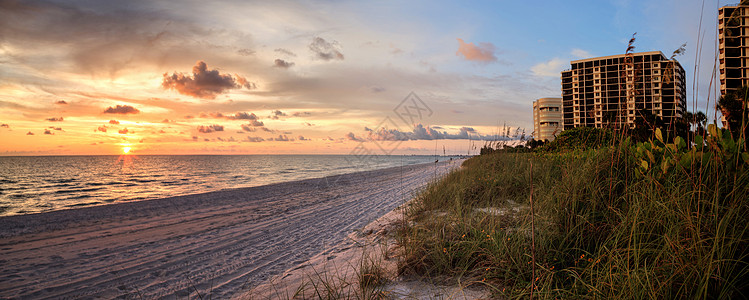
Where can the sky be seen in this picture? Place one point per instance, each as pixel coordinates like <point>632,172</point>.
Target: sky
<point>312,77</point>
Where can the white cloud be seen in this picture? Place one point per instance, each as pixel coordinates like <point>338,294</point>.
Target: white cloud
<point>549,68</point>
<point>580,53</point>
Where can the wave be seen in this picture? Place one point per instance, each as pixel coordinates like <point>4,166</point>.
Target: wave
<point>28,186</point>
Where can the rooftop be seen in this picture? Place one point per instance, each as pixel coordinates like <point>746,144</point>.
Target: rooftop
<point>617,56</point>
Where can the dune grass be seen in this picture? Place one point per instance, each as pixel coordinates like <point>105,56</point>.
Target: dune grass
<point>649,220</point>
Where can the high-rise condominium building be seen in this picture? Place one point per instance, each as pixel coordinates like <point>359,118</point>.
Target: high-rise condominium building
<point>547,118</point>
<point>619,90</point>
<point>733,40</point>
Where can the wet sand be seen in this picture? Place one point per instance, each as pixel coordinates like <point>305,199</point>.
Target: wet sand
<point>218,244</point>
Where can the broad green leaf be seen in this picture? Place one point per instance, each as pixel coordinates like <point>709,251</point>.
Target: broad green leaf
<point>659,135</point>
<point>680,143</point>
<point>686,160</point>
<point>699,142</point>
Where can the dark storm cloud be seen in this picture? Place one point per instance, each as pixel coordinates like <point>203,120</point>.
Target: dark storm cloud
<point>121,109</point>
<point>29,133</point>
<point>4,126</point>
<point>98,36</point>
<point>46,131</point>
<point>204,83</point>
<point>61,102</point>
<point>210,128</point>
<point>325,50</point>
<point>280,63</point>
<point>54,119</point>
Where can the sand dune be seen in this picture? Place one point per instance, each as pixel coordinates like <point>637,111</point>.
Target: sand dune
<point>219,243</point>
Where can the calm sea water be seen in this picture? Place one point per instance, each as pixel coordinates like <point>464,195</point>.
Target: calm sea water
<point>47,183</point>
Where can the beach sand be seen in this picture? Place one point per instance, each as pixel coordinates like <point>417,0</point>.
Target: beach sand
<point>339,270</point>
<point>217,245</point>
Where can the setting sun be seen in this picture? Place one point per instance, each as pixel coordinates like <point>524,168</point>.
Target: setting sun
<point>125,150</point>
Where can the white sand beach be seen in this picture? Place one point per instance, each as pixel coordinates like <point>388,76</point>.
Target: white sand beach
<point>218,244</point>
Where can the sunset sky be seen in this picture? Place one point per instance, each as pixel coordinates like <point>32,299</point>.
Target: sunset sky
<point>280,77</point>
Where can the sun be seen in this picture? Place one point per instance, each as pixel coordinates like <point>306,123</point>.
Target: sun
<point>125,150</point>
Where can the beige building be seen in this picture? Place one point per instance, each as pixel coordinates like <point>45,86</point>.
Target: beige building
<point>547,118</point>
<point>618,90</point>
<point>733,40</point>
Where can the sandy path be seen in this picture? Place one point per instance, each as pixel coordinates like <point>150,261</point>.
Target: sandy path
<point>222,243</point>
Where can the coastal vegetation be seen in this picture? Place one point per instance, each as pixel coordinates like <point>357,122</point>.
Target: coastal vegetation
<point>592,214</point>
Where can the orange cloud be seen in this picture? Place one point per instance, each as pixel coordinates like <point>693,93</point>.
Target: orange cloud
<point>483,53</point>
<point>204,83</point>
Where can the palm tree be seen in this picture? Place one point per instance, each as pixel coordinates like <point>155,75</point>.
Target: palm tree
<point>700,119</point>
<point>734,109</point>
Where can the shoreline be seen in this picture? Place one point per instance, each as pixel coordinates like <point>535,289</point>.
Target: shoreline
<point>219,243</point>
<point>26,222</point>
<point>27,189</point>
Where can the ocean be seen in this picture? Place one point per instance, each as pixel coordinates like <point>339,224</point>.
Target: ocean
<point>33,184</point>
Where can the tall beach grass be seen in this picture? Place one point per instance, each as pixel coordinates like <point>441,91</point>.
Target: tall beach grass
<point>648,220</point>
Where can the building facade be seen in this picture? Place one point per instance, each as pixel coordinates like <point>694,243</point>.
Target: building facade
<point>618,90</point>
<point>733,39</point>
<point>547,118</point>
